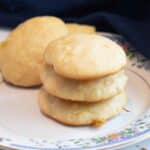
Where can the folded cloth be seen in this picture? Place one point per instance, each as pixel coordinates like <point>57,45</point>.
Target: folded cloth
<point>129,18</point>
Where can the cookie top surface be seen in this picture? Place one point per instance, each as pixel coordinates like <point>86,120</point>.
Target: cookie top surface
<point>22,52</point>
<point>85,56</point>
<point>82,90</point>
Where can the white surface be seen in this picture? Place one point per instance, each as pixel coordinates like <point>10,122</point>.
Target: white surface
<point>3,34</point>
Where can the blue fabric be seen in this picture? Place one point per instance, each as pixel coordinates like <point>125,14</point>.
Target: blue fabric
<point>130,18</point>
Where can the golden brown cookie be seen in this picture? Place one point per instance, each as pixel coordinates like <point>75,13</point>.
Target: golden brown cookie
<point>89,90</point>
<point>85,56</point>
<point>80,28</point>
<point>77,113</point>
<point>22,52</point>
<point>0,53</point>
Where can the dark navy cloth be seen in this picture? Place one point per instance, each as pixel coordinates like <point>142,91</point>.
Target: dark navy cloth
<point>130,18</point>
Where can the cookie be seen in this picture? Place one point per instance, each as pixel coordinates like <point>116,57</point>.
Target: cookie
<point>85,56</point>
<point>22,52</point>
<point>77,90</point>
<point>0,53</point>
<point>80,28</point>
<point>78,113</point>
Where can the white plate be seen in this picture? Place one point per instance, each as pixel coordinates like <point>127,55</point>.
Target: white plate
<point>22,126</point>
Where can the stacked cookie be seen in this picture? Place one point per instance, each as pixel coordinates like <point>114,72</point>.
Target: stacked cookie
<point>84,80</point>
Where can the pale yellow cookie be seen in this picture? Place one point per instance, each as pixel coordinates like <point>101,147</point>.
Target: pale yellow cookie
<point>85,56</point>
<point>80,28</point>
<point>22,52</point>
<point>78,113</point>
<point>0,53</point>
<point>89,90</point>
